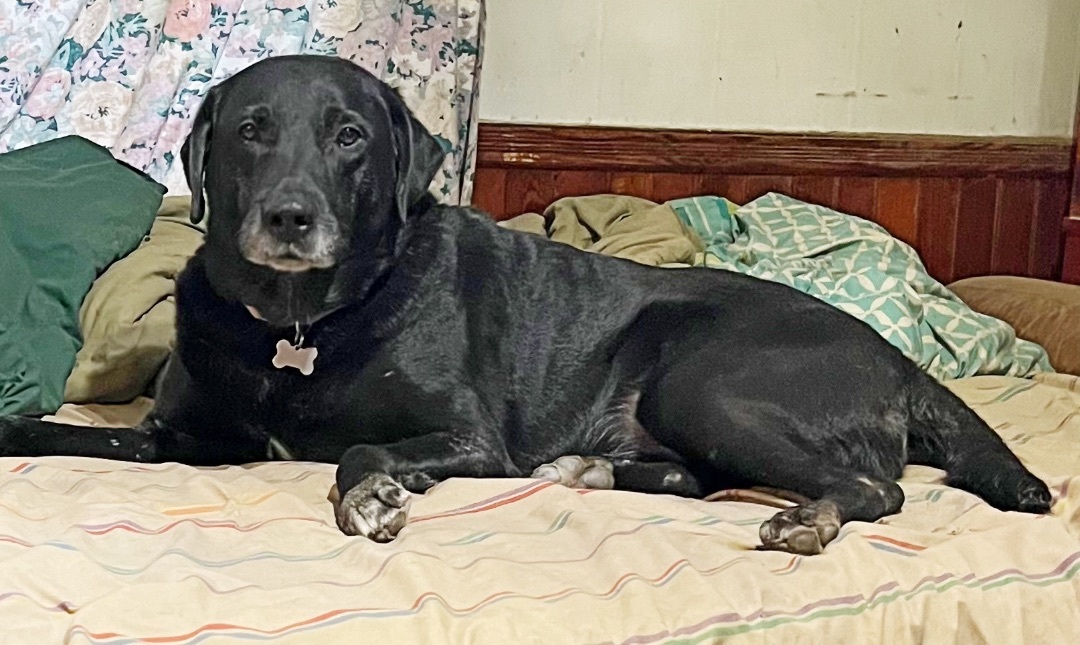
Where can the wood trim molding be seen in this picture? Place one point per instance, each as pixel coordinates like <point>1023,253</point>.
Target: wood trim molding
<point>519,146</point>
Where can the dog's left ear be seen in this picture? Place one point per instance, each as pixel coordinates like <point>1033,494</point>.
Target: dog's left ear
<point>194,152</point>
<point>419,155</point>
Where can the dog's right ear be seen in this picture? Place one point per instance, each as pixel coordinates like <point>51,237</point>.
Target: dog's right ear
<point>194,153</point>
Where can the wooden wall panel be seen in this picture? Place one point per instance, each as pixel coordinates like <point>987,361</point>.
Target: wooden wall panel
<point>935,224</point>
<point>1045,255</point>
<point>970,206</point>
<point>672,185</point>
<point>858,196</point>
<point>528,192</point>
<point>489,190</point>
<point>974,247</point>
<point>758,185</point>
<point>732,187</point>
<point>637,184</point>
<point>1012,226</point>
<point>574,183</point>
<point>816,190</point>
<point>1071,268</point>
<point>896,207</point>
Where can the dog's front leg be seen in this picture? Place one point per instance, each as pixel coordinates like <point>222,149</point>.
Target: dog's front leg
<point>25,437</point>
<point>374,482</point>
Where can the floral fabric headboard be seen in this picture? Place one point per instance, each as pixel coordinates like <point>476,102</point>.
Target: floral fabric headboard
<point>130,74</point>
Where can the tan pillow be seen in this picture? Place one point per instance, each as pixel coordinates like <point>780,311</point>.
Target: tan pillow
<point>128,318</point>
<point>1047,313</point>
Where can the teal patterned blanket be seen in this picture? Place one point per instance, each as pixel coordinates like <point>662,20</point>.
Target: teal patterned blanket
<point>858,267</point>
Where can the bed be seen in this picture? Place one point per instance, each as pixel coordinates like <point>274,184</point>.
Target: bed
<point>95,551</point>
<point>105,552</point>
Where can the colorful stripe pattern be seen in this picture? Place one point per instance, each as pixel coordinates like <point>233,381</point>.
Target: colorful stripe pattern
<point>101,552</point>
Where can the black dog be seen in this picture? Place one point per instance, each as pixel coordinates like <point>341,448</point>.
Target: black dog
<point>449,347</point>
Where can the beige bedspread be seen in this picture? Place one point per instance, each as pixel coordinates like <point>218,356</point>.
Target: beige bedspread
<point>103,552</point>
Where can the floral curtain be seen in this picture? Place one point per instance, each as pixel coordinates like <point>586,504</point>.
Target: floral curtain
<point>130,74</point>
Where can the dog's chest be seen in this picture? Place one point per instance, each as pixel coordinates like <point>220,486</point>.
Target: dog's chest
<point>320,415</point>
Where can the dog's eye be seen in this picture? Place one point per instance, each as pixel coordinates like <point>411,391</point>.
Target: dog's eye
<point>348,136</point>
<point>248,131</point>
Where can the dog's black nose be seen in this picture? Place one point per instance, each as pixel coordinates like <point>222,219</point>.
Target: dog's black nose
<point>288,222</point>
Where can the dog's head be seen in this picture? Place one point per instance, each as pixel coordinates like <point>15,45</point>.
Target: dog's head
<point>309,166</point>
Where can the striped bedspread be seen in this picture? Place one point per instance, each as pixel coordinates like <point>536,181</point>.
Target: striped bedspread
<point>105,552</point>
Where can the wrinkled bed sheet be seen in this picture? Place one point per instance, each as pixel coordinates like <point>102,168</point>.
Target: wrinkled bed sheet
<point>104,552</point>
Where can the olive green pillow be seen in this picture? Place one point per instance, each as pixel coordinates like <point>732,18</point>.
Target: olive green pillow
<point>128,318</point>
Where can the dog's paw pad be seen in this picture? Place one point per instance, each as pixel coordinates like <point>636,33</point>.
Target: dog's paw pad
<point>376,508</point>
<point>803,530</point>
<point>573,471</point>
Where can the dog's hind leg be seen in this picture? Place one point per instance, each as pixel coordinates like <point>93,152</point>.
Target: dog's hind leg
<point>656,477</point>
<point>838,495</point>
<point>947,434</point>
<point>597,473</point>
<point>748,444</point>
<point>574,471</point>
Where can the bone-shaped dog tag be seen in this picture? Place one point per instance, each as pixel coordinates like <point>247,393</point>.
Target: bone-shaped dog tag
<point>300,358</point>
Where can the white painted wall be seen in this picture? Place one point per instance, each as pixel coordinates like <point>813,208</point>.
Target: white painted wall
<point>980,67</point>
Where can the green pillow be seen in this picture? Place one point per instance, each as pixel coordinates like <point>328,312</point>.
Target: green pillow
<point>67,211</point>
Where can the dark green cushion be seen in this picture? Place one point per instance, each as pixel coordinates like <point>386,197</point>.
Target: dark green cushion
<point>67,210</point>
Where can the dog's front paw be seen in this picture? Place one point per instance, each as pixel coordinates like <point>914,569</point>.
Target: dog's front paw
<point>375,508</point>
<point>803,530</point>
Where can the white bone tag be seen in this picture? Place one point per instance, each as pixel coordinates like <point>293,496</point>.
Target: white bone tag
<point>300,358</point>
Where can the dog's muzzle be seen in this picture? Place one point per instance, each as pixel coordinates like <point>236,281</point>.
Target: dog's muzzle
<point>290,233</point>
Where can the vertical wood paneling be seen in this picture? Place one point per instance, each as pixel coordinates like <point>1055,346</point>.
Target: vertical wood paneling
<point>489,190</point>
<point>758,185</point>
<point>858,196</point>
<point>939,203</point>
<point>816,190</point>
<point>1070,268</point>
<point>1044,255</point>
<point>895,208</point>
<point>671,185</point>
<point>960,227</point>
<point>732,187</point>
<point>1004,220</point>
<point>1070,271</point>
<point>974,245</point>
<point>577,183</point>
<point>1012,226</point>
<point>638,184</point>
<point>528,191</point>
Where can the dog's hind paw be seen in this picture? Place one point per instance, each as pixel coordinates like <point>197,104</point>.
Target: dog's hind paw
<point>803,530</point>
<point>573,471</point>
<point>1034,497</point>
<point>376,508</point>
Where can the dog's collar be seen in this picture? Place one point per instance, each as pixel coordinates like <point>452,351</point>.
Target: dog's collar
<point>258,316</point>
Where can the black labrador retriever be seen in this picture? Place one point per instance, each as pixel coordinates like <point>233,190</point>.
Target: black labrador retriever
<point>336,313</point>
